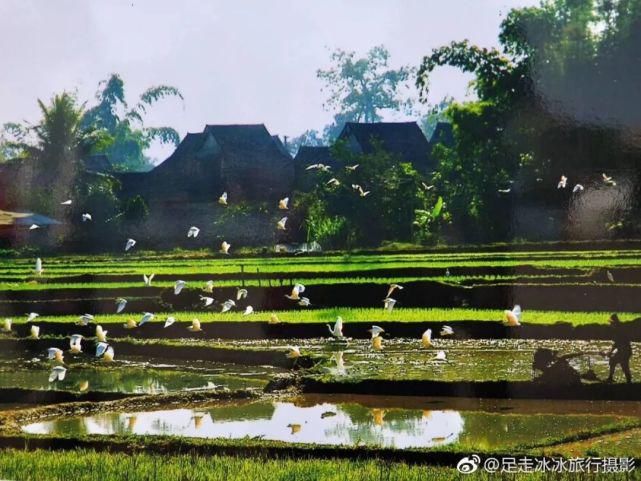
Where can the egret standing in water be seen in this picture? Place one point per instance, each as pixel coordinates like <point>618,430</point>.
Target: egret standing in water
<point>34,332</point>
<point>388,304</point>
<point>31,316</point>
<point>248,311</point>
<point>101,335</point>
<point>75,346</point>
<point>426,338</point>
<point>377,343</point>
<point>58,373</point>
<point>178,287</point>
<point>337,330</point>
<point>224,247</point>
<point>193,231</point>
<point>296,291</point>
<point>120,305</point>
<point>39,270</point>
<point>209,287</point>
<point>241,293</point>
<point>513,317</point>
<point>195,326</point>
<point>129,244</point>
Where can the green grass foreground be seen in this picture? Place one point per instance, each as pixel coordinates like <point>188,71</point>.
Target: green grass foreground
<point>93,466</point>
<point>360,315</point>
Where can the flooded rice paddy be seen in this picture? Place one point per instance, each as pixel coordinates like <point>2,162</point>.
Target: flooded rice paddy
<point>366,420</point>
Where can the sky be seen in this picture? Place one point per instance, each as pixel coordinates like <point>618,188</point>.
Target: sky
<point>235,61</point>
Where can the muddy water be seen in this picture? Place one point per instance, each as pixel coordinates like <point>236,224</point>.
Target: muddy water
<point>374,422</point>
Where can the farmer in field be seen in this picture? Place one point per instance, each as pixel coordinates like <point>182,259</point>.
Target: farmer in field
<point>621,350</point>
<point>555,370</point>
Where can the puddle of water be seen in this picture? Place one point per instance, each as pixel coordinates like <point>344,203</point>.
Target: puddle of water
<point>330,423</point>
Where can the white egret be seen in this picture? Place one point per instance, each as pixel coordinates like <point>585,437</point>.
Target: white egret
<point>101,335</point>
<point>120,305</point>
<point>426,338</point>
<point>130,243</point>
<point>608,180</point>
<point>222,200</point>
<point>280,225</point>
<point>446,331</point>
<point>58,373</point>
<point>39,270</point>
<point>66,202</point>
<point>209,287</point>
<point>513,317</point>
<point>377,343</point>
<point>178,287</point>
<point>389,303</point>
<point>352,168</point>
<point>195,326</point>
<point>296,291</point>
<point>427,187</point>
<point>193,231</point>
<point>53,353</point>
<point>376,331</point>
<point>283,204</point>
<point>207,301</point>
<point>392,288</point>
<point>75,345</point>
<point>108,356</point>
<point>169,321</point>
<point>130,324</point>
<point>85,319</point>
<point>86,217</point>
<point>248,311</point>
<point>505,191</point>
<point>610,276</point>
<point>83,386</point>
<point>577,188</point>
<point>304,302</point>
<point>224,247</point>
<point>147,279</point>
<point>363,193</point>
<point>34,332</point>
<point>34,227</point>
<point>562,183</point>
<point>31,316</point>
<point>227,305</point>
<point>319,167</point>
<point>146,317</point>
<point>337,330</point>
<point>241,293</point>
<point>334,182</point>
<point>293,352</point>
<point>6,326</point>
<point>440,356</point>
<point>101,348</point>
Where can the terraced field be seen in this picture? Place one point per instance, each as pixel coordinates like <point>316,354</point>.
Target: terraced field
<point>229,387</point>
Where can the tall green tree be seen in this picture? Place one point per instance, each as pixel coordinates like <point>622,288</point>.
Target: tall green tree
<point>125,123</point>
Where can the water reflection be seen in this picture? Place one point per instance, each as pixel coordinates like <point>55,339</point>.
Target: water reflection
<point>347,423</point>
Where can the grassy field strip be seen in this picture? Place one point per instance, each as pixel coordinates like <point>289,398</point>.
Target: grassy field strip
<point>364,315</point>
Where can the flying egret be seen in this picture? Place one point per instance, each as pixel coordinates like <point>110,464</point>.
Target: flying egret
<point>248,311</point>
<point>6,326</point>
<point>224,247</point>
<point>334,182</point>
<point>147,279</point>
<point>337,330</point>
<point>222,200</point>
<point>58,373</point>
<point>34,227</point>
<point>505,191</point>
<point>610,276</point>
<point>377,343</point>
<point>283,204</point>
<point>75,345</point>
<point>376,331</point>
<point>440,356</point>
<point>363,193</point>
<point>86,217</point>
<point>130,324</point>
<point>446,331</point>
<point>209,287</point>
<point>31,316</point>
<point>39,270</point>
<point>227,305</point>
<point>169,321</point>
<point>513,317</point>
<point>352,168</point>
<point>562,183</point>
<point>304,302</point>
<point>389,303</point>
<point>108,356</point>
<point>280,225</point>
<point>608,180</point>
<point>296,291</point>
<point>392,288</point>
<point>146,317</point>
<point>195,326</point>
<point>101,348</point>
<point>319,167</point>
<point>293,352</point>
<point>577,188</point>
<point>120,305</point>
<point>53,353</point>
<point>273,319</point>
<point>130,243</point>
<point>427,187</point>
<point>101,335</point>
<point>85,319</point>
<point>66,202</point>
<point>207,301</point>
<point>193,231</point>
<point>178,287</point>
<point>241,293</point>
<point>34,332</point>
<point>426,338</point>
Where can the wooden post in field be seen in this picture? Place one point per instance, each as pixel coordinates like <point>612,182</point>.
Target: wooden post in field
<point>242,275</point>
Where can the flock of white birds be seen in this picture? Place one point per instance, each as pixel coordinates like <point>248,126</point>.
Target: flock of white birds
<point>563,183</point>
<point>106,352</point>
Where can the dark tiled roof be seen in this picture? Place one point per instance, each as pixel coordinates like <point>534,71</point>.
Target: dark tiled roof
<point>404,139</point>
<point>98,163</point>
<point>281,146</point>
<point>443,134</point>
<point>314,155</point>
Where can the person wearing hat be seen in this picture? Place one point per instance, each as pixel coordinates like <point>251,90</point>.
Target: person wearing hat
<point>621,350</point>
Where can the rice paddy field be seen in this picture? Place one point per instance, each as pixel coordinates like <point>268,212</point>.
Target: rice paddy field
<point>264,390</point>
